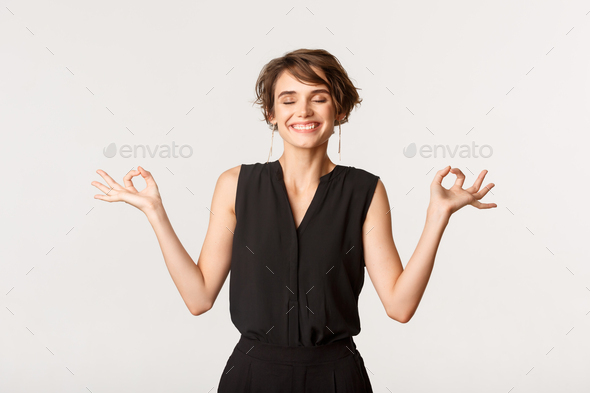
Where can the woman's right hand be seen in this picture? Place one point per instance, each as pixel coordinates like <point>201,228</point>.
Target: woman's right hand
<point>145,200</point>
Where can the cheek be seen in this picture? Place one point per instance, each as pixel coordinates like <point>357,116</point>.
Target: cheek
<point>282,110</point>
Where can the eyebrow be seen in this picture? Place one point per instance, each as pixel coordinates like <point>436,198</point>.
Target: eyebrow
<point>293,92</point>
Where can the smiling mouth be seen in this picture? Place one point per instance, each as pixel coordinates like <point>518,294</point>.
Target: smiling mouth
<point>309,127</point>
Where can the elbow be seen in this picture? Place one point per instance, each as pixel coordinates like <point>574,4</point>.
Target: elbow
<point>401,318</point>
<point>200,310</point>
<point>404,320</point>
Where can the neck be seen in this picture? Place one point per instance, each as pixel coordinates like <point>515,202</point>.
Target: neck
<point>303,170</point>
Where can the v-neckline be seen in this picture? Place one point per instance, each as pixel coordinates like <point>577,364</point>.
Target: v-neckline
<point>279,175</point>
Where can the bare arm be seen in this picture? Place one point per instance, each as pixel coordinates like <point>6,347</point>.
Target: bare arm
<point>400,290</point>
<point>200,283</point>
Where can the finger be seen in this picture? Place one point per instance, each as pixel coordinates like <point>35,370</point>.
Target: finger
<point>460,177</point>
<point>106,198</point>
<point>477,184</point>
<point>438,178</point>
<point>107,178</point>
<point>483,191</point>
<point>147,176</point>
<point>480,205</point>
<point>101,187</point>
<point>127,179</point>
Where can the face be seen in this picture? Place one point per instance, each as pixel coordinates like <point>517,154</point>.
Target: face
<point>299,104</point>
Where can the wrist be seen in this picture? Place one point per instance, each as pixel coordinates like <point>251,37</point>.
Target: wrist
<point>437,214</point>
<point>155,211</point>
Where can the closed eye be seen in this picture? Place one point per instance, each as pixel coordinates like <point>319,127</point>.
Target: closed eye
<point>287,103</point>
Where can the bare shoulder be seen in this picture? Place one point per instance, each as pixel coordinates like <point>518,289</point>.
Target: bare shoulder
<point>226,187</point>
<point>231,175</point>
<point>379,208</point>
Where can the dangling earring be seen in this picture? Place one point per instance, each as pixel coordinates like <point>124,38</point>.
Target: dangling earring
<point>339,132</point>
<point>275,126</point>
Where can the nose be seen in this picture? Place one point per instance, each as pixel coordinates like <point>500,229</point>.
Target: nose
<point>304,108</point>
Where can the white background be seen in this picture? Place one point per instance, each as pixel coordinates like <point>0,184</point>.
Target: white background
<point>87,303</point>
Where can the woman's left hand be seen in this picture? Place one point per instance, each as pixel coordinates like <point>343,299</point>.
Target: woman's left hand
<point>453,199</point>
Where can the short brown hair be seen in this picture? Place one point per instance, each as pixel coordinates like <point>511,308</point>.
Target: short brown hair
<point>298,62</point>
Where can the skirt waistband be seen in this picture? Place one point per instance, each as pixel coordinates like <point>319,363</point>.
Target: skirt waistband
<point>283,354</point>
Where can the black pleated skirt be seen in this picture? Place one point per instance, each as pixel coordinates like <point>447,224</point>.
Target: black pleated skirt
<point>258,367</point>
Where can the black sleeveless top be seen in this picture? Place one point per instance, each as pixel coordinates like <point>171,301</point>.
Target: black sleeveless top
<point>298,286</point>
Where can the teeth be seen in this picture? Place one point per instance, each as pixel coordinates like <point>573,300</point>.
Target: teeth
<point>306,128</point>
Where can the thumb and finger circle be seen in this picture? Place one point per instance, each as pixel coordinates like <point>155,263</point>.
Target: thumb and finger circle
<point>438,178</point>
<point>116,186</point>
<point>147,176</point>
<point>460,177</point>
<point>127,179</point>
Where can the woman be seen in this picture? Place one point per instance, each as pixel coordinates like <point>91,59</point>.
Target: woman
<point>298,234</point>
